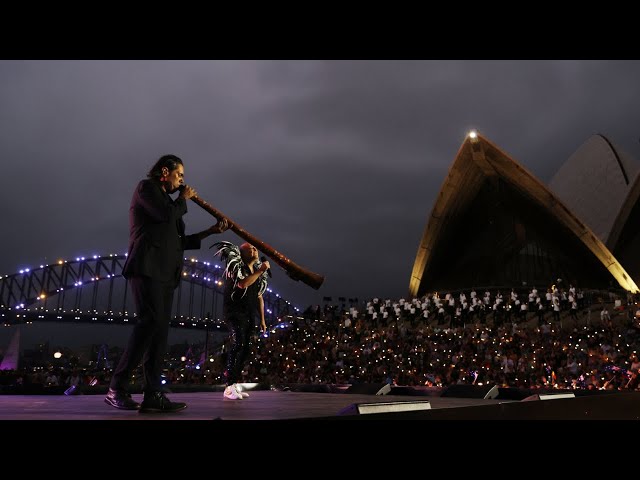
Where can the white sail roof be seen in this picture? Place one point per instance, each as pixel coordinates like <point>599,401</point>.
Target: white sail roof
<point>594,183</point>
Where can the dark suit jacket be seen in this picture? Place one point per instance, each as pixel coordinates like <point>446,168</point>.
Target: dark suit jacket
<point>156,239</point>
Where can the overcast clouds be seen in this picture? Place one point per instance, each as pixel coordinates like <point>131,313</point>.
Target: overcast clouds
<point>336,164</point>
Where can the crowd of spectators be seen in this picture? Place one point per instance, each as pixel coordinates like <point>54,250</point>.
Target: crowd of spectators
<point>573,343</point>
<point>559,338</point>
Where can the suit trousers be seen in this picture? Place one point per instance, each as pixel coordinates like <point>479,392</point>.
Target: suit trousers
<point>148,341</point>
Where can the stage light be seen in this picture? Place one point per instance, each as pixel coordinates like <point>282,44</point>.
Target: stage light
<point>387,407</point>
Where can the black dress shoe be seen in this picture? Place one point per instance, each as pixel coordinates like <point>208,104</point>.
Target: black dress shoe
<point>121,400</point>
<point>157,402</point>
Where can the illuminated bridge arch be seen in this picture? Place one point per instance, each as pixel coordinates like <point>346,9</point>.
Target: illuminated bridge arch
<point>92,289</point>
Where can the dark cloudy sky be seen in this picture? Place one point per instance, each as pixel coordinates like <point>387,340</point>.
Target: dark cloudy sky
<point>334,163</point>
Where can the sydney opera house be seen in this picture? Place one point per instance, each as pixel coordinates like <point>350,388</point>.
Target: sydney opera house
<point>495,224</point>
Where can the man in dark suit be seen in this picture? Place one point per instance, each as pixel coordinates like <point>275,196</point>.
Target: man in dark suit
<point>154,263</point>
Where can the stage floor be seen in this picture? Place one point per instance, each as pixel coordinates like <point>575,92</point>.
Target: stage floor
<point>292,406</point>
<point>261,405</point>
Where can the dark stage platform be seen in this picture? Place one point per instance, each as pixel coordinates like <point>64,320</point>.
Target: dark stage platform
<point>296,405</point>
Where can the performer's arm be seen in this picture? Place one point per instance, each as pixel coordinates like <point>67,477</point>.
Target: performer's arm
<point>219,227</point>
<point>250,279</point>
<point>194,241</point>
<point>263,325</point>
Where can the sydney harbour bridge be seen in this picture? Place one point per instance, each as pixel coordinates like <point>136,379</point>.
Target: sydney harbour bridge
<point>92,289</point>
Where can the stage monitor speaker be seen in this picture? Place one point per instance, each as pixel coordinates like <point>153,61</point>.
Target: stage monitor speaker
<point>512,393</point>
<point>471,391</point>
<point>385,407</point>
<point>369,388</point>
<point>552,396</point>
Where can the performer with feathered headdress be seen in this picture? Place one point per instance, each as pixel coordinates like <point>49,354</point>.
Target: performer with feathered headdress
<point>245,282</point>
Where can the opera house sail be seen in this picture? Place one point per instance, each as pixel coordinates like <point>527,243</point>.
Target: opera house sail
<point>494,224</point>
<point>601,183</point>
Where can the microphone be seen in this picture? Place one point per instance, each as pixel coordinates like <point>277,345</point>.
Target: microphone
<point>264,259</point>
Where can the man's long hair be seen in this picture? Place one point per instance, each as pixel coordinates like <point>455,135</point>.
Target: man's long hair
<point>169,161</point>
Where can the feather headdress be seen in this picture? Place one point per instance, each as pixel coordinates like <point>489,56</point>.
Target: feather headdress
<point>230,254</point>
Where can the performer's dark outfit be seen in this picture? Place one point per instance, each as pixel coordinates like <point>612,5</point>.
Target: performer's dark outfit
<point>240,307</point>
